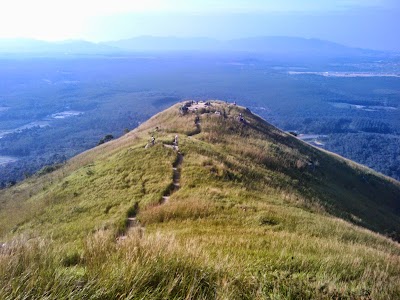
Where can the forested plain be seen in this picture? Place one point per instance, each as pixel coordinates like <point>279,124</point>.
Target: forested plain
<point>54,108</point>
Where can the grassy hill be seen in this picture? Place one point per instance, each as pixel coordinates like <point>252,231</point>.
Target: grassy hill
<point>241,210</point>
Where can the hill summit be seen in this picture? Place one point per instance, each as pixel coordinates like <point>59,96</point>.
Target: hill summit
<point>203,201</point>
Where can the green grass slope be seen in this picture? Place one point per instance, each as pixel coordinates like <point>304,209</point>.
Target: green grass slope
<point>258,214</point>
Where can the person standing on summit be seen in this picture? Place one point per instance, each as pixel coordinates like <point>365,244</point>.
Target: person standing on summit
<point>175,142</point>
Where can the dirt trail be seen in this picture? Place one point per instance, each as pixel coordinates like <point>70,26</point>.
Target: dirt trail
<point>176,169</point>
<point>198,127</point>
<point>131,221</point>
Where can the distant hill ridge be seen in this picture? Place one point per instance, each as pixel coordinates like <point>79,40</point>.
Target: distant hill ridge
<point>202,201</point>
<point>277,45</point>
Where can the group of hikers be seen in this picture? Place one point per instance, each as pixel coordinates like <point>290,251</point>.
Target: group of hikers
<point>183,109</point>
<point>153,142</point>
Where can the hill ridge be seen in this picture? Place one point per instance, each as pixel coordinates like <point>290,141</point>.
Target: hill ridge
<point>258,214</point>
<point>194,107</point>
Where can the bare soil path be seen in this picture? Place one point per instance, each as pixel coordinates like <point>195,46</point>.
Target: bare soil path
<point>132,221</point>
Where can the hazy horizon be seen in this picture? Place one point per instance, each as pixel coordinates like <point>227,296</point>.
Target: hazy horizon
<point>356,23</point>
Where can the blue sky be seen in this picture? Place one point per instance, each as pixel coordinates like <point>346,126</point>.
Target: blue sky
<point>360,23</point>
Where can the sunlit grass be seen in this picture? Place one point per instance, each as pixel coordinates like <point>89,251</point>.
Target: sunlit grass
<point>251,220</point>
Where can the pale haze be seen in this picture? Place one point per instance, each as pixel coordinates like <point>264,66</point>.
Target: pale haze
<point>359,23</point>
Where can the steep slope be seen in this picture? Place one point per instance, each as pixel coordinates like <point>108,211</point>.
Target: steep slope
<point>239,210</point>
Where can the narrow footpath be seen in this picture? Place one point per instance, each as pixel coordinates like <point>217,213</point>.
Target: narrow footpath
<point>132,221</point>
<point>176,169</point>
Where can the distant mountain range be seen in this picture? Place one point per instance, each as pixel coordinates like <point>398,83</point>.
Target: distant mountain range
<point>273,45</point>
<point>27,46</point>
<point>255,44</point>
